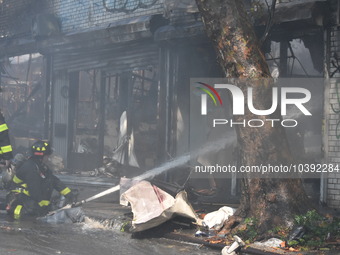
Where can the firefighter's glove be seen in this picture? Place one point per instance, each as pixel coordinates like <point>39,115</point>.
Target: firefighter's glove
<point>71,197</point>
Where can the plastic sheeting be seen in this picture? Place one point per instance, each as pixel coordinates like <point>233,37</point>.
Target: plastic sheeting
<point>151,206</point>
<point>123,141</point>
<point>125,184</point>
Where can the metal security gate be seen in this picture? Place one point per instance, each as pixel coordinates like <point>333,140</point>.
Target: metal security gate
<point>113,58</point>
<point>109,69</point>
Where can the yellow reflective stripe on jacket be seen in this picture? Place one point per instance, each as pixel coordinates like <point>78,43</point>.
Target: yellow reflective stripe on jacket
<point>44,203</point>
<point>20,190</point>
<point>65,191</point>
<point>26,192</point>
<point>17,180</point>
<point>3,127</point>
<point>6,149</point>
<point>17,211</point>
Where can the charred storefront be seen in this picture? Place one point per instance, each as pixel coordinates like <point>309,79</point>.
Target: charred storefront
<point>100,86</point>
<point>106,100</point>
<point>111,79</point>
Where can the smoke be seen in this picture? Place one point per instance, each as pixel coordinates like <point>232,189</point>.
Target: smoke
<point>182,160</point>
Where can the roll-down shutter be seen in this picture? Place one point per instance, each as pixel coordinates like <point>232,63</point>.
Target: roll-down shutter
<point>114,58</point>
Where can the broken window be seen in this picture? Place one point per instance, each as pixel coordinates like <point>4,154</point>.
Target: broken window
<point>301,57</point>
<point>87,112</point>
<point>145,114</point>
<point>132,117</point>
<point>116,115</point>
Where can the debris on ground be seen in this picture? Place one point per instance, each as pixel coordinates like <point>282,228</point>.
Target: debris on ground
<point>234,247</point>
<point>272,242</point>
<point>151,206</point>
<point>297,233</point>
<point>109,169</point>
<point>225,251</point>
<point>201,233</point>
<point>238,243</point>
<point>215,220</point>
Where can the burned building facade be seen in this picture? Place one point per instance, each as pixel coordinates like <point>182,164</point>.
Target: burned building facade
<point>115,76</point>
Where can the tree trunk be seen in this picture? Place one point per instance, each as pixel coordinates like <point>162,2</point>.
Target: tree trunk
<point>272,202</point>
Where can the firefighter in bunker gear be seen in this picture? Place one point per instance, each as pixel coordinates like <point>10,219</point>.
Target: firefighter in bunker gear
<point>5,146</point>
<point>33,184</point>
<point>5,151</point>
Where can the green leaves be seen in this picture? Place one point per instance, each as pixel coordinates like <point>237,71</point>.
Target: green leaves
<point>249,232</point>
<point>319,229</point>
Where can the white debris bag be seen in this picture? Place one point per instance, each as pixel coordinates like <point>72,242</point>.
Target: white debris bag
<point>217,218</point>
<point>152,206</point>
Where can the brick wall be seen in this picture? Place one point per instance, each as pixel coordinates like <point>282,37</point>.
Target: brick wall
<point>76,15</point>
<point>333,150</point>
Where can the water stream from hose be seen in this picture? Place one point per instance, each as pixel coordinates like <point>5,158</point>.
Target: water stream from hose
<point>170,165</point>
<point>182,160</point>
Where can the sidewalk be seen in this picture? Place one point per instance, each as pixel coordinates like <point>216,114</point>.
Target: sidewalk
<point>180,230</point>
<point>107,209</point>
<point>176,230</point>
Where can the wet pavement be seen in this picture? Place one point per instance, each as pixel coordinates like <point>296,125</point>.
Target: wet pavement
<point>27,237</point>
<point>99,234</point>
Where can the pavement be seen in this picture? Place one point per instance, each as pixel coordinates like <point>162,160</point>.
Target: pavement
<point>119,216</point>
<point>108,211</point>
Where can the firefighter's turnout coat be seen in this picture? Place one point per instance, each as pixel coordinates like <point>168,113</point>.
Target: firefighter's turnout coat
<point>5,146</point>
<point>31,189</point>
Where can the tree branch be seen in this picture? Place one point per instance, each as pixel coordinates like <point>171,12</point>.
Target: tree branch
<point>270,21</point>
